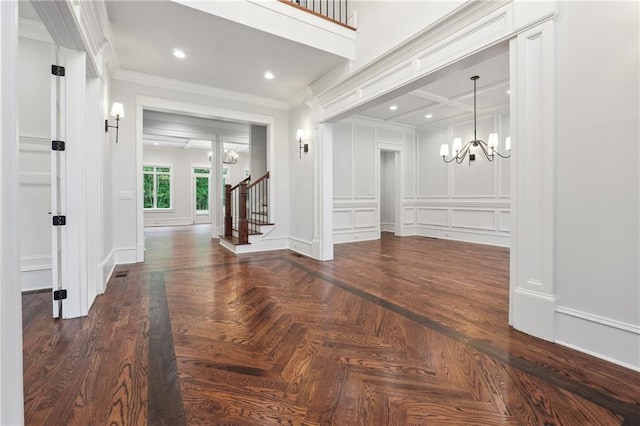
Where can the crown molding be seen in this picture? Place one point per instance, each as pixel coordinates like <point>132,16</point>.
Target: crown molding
<point>198,89</point>
<point>461,17</point>
<point>33,30</point>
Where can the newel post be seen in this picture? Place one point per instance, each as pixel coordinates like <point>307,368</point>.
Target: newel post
<point>227,210</point>
<point>243,224</point>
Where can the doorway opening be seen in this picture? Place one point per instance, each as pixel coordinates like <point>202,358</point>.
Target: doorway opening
<point>389,192</point>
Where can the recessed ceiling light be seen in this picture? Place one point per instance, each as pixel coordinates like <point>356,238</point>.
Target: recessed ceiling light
<point>428,116</point>
<point>156,143</point>
<point>269,75</point>
<point>509,92</point>
<point>393,107</point>
<point>179,54</point>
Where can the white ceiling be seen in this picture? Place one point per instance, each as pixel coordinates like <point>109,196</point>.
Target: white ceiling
<point>231,56</point>
<point>175,131</point>
<point>220,53</point>
<point>451,97</point>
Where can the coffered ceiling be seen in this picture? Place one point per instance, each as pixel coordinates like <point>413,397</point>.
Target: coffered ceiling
<point>450,97</point>
<point>175,131</point>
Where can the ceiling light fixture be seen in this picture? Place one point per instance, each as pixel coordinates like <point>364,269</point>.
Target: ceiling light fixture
<point>230,157</point>
<point>489,148</point>
<point>269,75</point>
<point>509,92</point>
<point>428,116</point>
<point>393,107</point>
<point>179,54</point>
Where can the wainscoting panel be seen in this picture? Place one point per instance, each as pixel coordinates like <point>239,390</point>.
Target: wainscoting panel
<point>366,218</point>
<point>474,219</point>
<point>409,216</point>
<point>433,216</point>
<point>342,219</point>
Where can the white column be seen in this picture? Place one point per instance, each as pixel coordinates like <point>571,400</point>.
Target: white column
<point>215,189</point>
<point>94,194</point>
<point>322,244</point>
<point>11,402</point>
<point>75,257</point>
<point>532,246</point>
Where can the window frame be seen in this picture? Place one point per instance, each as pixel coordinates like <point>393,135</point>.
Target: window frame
<point>155,173</point>
<point>194,176</point>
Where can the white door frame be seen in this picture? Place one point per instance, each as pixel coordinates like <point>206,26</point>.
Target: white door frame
<point>11,384</point>
<point>397,150</point>
<point>165,105</point>
<point>194,212</point>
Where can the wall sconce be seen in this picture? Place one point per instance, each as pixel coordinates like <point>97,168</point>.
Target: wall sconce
<point>117,111</point>
<point>305,147</point>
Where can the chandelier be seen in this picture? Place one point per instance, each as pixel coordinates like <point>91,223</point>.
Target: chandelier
<point>489,148</point>
<point>230,157</point>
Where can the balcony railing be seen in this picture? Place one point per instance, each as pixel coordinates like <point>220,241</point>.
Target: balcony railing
<point>332,10</point>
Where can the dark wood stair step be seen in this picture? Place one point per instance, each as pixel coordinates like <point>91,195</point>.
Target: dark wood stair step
<point>234,240</point>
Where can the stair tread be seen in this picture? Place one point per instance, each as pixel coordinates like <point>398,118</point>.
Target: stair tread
<point>234,240</point>
<point>250,231</point>
<point>259,222</point>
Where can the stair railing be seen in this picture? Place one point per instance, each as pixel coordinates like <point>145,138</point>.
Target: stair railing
<point>246,208</point>
<point>232,211</point>
<point>258,204</point>
<point>332,10</point>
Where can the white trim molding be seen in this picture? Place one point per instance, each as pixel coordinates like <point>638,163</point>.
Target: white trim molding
<point>532,55</point>
<point>614,341</point>
<point>198,89</point>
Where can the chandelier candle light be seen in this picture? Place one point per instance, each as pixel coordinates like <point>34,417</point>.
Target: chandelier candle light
<point>489,148</point>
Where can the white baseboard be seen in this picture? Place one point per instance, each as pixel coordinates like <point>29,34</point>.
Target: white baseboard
<point>173,221</point>
<point>604,338</point>
<point>35,263</point>
<point>36,280</point>
<point>35,272</point>
<point>125,255</point>
<point>387,227</point>
<point>353,236</point>
<point>533,313</point>
<point>264,244</point>
<point>301,246</point>
<point>108,266</point>
<point>479,237</point>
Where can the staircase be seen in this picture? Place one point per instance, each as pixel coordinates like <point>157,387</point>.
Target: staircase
<point>246,215</point>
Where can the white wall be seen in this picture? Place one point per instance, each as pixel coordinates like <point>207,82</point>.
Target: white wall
<point>597,179</point>
<point>258,149</point>
<point>124,154</point>
<point>34,102</point>
<point>181,162</point>
<point>460,201</point>
<point>236,171</point>
<point>356,175</point>
<point>378,24</point>
<point>302,184</point>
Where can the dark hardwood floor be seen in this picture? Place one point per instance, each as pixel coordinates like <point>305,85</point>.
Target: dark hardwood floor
<point>389,333</point>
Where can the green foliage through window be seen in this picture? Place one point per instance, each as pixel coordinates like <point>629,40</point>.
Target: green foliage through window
<point>157,187</point>
<point>202,193</point>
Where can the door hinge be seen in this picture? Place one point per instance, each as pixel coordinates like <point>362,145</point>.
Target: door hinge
<point>59,220</point>
<point>57,146</point>
<point>57,70</point>
<point>59,294</point>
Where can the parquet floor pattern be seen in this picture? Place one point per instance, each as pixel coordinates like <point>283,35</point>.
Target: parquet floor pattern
<point>387,334</point>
